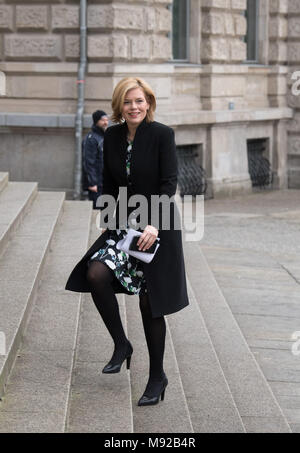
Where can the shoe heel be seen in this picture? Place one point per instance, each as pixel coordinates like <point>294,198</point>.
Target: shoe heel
<point>128,362</point>
<point>163,394</point>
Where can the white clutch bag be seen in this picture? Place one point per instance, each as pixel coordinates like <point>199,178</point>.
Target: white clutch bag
<point>128,245</point>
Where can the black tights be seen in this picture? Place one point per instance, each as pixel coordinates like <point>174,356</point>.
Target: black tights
<point>100,278</point>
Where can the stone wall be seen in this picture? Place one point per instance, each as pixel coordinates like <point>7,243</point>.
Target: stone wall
<point>39,53</point>
<point>135,31</point>
<point>39,48</point>
<point>223,29</point>
<point>49,30</point>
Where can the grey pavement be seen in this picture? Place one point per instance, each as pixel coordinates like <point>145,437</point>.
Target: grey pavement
<point>252,246</point>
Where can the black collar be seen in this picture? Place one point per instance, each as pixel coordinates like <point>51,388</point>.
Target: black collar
<point>141,127</point>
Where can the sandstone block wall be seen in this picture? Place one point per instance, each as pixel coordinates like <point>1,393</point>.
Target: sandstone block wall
<point>223,30</point>
<point>49,30</point>
<point>39,49</point>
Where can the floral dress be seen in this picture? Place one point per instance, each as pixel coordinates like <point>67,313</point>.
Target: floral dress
<point>127,269</point>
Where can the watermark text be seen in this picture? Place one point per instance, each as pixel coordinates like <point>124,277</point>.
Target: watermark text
<point>296,84</point>
<point>2,343</point>
<point>296,344</point>
<point>161,211</point>
<point>2,84</point>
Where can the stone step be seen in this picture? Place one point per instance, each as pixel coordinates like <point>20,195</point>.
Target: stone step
<point>15,201</point>
<point>211,405</point>
<point>3,180</point>
<point>215,383</point>
<point>20,269</point>
<point>99,402</point>
<point>171,415</point>
<point>262,291</point>
<point>197,398</point>
<point>255,401</point>
<point>37,395</point>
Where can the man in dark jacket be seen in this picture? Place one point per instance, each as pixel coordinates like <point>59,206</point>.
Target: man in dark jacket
<point>92,156</point>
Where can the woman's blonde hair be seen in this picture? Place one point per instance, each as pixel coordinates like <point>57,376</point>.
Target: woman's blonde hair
<point>120,91</point>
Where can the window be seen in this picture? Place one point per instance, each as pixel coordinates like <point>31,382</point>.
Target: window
<point>259,166</point>
<point>180,29</point>
<point>251,38</point>
<point>191,175</point>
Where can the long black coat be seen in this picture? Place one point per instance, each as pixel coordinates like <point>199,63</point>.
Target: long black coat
<point>153,171</point>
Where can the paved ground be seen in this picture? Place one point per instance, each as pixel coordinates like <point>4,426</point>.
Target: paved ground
<point>250,284</point>
<point>252,245</point>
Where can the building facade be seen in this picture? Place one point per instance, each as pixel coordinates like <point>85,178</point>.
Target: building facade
<point>222,71</point>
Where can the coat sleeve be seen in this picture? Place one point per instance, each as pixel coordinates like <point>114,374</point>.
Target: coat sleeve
<point>167,180</point>
<point>109,186</point>
<point>90,156</point>
<point>167,164</point>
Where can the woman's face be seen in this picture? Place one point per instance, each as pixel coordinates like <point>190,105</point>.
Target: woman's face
<point>135,107</point>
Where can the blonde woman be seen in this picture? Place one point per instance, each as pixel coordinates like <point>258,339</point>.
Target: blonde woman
<point>139,154</point>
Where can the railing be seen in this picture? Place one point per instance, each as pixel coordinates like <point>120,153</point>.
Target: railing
<point>259,166</point>
<point>191,176</point>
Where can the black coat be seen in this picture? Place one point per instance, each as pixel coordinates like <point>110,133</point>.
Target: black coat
<point>92,158</point>
<point>153,171</point>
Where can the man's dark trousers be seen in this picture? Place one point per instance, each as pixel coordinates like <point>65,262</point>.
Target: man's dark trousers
<point>93,196</point>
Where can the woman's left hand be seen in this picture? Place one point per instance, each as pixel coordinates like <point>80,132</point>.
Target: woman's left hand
<point>148,237</point>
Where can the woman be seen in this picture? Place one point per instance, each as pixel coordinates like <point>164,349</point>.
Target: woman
<point>139,154</point>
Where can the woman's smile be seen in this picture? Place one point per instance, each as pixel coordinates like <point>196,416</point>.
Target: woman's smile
<point>135,107</point>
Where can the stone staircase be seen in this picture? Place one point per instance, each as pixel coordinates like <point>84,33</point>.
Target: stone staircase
<point>56,343</point>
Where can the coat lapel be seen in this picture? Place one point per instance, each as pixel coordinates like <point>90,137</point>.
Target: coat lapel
<point>137,146</point>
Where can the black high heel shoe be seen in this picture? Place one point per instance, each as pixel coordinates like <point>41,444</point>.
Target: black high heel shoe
<point>115,367</point>
<point>149,399</point>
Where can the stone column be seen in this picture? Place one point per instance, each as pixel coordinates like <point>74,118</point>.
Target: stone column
<point>294,94</point>
<point>223,84</point>
<point>278,34</point>
<point>229,160</point>
<point>279,161</point>
<point>222,50</point>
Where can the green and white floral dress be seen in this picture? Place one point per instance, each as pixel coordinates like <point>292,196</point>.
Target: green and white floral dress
<point>127,269</point>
